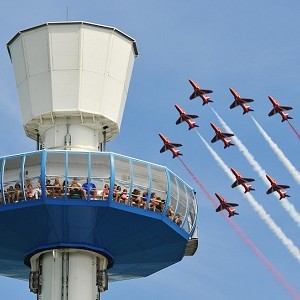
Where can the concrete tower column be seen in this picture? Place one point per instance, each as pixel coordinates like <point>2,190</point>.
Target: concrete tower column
<point>68,274</point>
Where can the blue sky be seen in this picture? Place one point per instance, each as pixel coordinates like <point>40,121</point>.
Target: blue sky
<point>251,46</point>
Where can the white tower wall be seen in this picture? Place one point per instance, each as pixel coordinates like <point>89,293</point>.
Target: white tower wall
<point>72,75</point>
<point>68,274</point>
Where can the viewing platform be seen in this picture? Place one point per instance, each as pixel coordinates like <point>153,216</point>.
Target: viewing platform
<point>69,203</point>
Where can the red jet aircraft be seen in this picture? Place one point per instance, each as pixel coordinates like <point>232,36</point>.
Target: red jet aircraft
<point>238,100</point>
<point>221,136</point>
<point>226,205</point>
<point>279,188</point>
<point>200,92</point>
<point>242,180</point>
<point>186,118</point>
<point>279,109</point>
<point>169,146</point>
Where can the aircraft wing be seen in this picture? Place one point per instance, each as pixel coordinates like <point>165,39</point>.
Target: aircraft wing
<point>219,208</point>
<point>215,138</point>
<point>272,112</point>
<point>285,107</point>
<point>206,91</point>
<point>163,149</point>
<point>270,190</point>
<point>231,204</point>
<point>194,95</point>
<point>248,179</point>
<point>180,120</point>
<point>234,104</point>
<point>224,134</point>
<point>192,116</point>
<point>283,186</point>
<point>246,100</point>
<point>173,145</point>
<point>235,184</point>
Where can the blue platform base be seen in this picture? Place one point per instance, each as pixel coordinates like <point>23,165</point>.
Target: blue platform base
<point>136,242</point>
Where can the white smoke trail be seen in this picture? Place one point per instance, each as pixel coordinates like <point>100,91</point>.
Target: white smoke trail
<point>262,173</point>
<point>285,161</point>
<point>256,206</point>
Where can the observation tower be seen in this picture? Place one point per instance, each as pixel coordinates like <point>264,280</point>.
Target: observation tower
<point>73,216</point>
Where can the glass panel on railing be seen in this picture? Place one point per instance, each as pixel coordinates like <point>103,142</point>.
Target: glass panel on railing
<point>140,185</point>
<point>77,175</point>
<point>12,180</point>
<point>159,188</point>
<point>122,180</point>
<point>56,186</point>
<point>173,197</point>
<point>192,210</point>
<point>32,175</point>
<point>1,186</point>
<point>100,175</point>
<point>181,209</point>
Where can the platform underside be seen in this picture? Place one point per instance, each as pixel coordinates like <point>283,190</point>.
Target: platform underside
<point>137,242</point>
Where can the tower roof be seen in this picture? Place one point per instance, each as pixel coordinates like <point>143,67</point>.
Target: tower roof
<point>72,23</point>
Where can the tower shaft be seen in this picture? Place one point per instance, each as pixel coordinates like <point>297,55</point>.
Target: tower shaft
<point>68,274</point>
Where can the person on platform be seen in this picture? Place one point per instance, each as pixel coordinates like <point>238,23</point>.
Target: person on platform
<point>9,195</point>
<point>57,188</point>
<point>18,192</point>
<point>49,188</point>
<point>124,196</point>
<point>75,188</point>
<point>177,220</point>
<point>30,191</point>
<point>89,186</point>
<point>105,192</point>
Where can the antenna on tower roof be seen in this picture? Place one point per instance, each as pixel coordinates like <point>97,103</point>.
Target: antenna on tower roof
<point>67,11</point>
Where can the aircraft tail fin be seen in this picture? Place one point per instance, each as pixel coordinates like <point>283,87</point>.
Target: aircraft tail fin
<point>234,213</point>
<point>191,127</point>
<point>284,196</point>
<point>246,111</point>
<point>287,118</point>
<point>207,102</point>
<point>176,155</point>
<point>250,189</point>
<point>228,145</point>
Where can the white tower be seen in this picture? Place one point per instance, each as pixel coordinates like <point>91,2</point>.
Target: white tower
<point>72,79</point>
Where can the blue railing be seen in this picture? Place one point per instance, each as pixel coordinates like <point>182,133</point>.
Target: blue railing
<point>71,175</point>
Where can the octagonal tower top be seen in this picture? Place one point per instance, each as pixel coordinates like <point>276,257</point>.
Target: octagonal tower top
<point>72,80</point>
